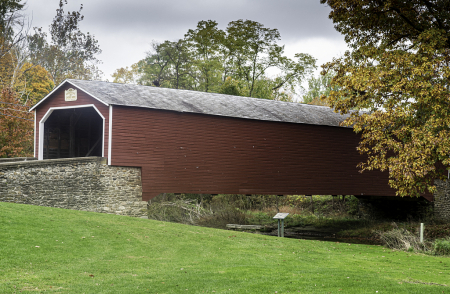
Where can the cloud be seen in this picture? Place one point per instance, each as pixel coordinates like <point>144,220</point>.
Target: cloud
<point>125,29</point>
<point>294,19</point>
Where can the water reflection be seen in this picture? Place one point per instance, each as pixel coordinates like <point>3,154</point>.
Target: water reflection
<point>310,233</point>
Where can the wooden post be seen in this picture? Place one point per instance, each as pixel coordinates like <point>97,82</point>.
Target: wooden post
<point>100,131</point>
<point>93,147</point>
<point>78,141</point>
<point>71,135</point>
<point>59,142</point>
<point>89,134</point>
<point>73,122</point>
<point>47,141</point>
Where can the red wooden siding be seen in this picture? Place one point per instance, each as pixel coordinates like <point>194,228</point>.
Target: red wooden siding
<point>57,100</point>
<point>195,153</point>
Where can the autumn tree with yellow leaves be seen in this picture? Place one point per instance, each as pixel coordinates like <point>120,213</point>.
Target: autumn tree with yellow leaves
<point>22,83</point>
<point>16,126</point>
<point>33,83</point>
<point>31,66</point>
<point>397,77</point>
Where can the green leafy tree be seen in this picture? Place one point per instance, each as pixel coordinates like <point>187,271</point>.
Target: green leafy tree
<point>204,43</point>
<point>293,72</point>
<point>234,61</point>
<point>398,73</point>
<point>13,41</point>
<point>180,61</point>
<point>8,7</point>
<point>70,53</point>
<point>250,50</point>
<point>231,87</point>
<point>318,87</point>
<point>12,25</point>
<point>168,65</point>
<point>154,68</point>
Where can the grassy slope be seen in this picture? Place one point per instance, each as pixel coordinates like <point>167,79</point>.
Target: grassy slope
<point>128,255</point>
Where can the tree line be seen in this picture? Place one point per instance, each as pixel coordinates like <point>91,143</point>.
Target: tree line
<point>394,82</point>
<point>236,61</point>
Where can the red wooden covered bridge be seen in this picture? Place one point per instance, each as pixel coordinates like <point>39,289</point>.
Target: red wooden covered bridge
<point>197,142</point>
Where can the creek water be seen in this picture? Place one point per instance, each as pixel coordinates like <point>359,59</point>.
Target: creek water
<point>312,233</point>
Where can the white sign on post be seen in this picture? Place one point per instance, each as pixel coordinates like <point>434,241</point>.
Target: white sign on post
<point>281,215</point>
<point>70,95</point>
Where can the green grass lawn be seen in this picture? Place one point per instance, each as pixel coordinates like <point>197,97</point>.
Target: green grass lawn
<point>65,251</point>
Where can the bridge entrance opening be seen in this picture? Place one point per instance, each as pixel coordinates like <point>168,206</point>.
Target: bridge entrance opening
<point>75,132</point>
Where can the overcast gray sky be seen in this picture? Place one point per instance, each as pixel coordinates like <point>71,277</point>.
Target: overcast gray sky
<point>125,29</point>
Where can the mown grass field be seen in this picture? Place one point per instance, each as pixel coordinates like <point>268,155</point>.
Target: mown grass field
<point>64,251</point>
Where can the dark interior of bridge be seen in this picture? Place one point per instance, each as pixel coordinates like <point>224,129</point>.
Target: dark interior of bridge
<point>74,132</point>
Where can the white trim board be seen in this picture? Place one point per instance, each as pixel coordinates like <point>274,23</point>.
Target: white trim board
<point>34,136</point>
<point>47,115</point>
<point>59,86</point>
<point>110,133</point>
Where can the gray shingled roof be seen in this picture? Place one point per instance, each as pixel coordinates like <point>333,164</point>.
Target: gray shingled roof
<point>208,103</point>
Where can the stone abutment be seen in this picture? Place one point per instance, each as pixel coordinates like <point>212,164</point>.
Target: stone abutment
<point>87,184</point>
<point>442,200</point>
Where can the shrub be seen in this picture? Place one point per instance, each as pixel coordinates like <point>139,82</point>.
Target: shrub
<point>402,239</point>
<point>219,219</point>
<point>226,209</point>
<point>442,246</point>
<point>185,211</point>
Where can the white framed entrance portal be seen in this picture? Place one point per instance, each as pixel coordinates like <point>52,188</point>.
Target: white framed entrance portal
<point>72,131</point>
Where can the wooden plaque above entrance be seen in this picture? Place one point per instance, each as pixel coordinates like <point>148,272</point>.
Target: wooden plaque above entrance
<point>70,95</point>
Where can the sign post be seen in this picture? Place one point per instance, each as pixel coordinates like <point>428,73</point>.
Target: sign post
<point>280,217</point>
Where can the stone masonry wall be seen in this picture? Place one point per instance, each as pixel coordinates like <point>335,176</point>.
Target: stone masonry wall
<point>442,200</point>
<point>87,184</point>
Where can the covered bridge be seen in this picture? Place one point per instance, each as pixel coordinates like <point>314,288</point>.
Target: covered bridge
<point>197,142</point>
